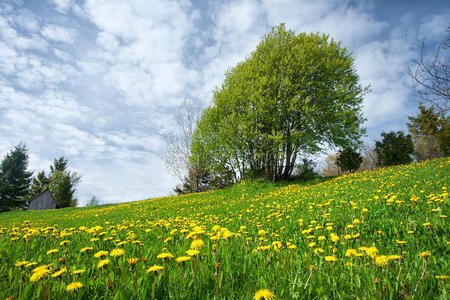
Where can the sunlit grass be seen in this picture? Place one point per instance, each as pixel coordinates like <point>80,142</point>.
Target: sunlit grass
<point>382,233</point>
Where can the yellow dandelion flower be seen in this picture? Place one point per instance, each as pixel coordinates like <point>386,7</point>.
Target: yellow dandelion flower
<point>132,261</point>
<point>103,262</point>
<point>264,294</point>
<point>21,263</point>
<point>59,273</point>
<point>117,252</point>
<point>85,249</point>
<point>330,258</point>
<point>74,286</point>
<point>197,244</point>
<point>28,265</point>
<point>427,224</point>
<point>155,268</point>
<point>37,275</point>
<point>183,259</point>
<point>79,271</point>
<point>65,242</point>
<point>442,277</point>
<point>52,251</point>
<point>165,255</point>
<point>381,260</point>
<point>101,253</point>
<point>425,254</point>
<point>192,252</point>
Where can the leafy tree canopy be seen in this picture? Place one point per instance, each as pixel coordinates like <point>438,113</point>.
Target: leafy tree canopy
<point>291,96</point>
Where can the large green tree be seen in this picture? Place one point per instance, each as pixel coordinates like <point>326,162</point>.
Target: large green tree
<point>15,179</point>
<point>291,96</point>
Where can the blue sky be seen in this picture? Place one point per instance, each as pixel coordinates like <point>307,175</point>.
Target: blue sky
<point>99,81</point>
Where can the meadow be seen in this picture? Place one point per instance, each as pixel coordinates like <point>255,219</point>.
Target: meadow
<point>376,234</point>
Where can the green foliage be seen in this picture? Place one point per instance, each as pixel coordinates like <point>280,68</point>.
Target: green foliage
<point>61,182</point>
<point>289,97</point>
<point>14,178</point>
<point>394,149</point>
<point>348,160</point>
<point>432,128</point>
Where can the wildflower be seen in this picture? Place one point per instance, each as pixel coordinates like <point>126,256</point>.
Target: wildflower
<point>427,224</point>
<point>155,268</point>
<point>312,244</point>
<point>100,254</point>
<point>165,255</point>
<point>330,258</point>
<point>132,261</point>
<point>182,259</point>
<point>442,277</point>
<point>59,273</point>
<point>349,264</point>
<point>64,242</point>
<point>312,267</point>
<point>86,249</point>
<point>52,251</point>
<point>21,263</point>
<point>334,238</point>
<point>381,260</point>
<point>192,252</point>
<point>28,265</point>
<point>264,294</point>
<point>103,262</point>
<point>197,244</point>
<point>168,239</point>
<point>39,273</point>
<point>117,252</point>
<point>425,254</point>
<point>79,271</point>
<point>74,286</point>
<point>321,238</point>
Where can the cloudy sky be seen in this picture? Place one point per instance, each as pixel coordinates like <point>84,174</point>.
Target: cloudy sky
<point>98,81</point>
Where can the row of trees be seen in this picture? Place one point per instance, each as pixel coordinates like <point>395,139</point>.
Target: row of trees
<point>17,185</point>
<point>292,97</point>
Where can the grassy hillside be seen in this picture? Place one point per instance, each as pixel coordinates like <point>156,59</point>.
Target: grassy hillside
<point>365,235</point>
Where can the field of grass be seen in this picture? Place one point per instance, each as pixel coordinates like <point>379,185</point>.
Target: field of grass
<point>377,234</point>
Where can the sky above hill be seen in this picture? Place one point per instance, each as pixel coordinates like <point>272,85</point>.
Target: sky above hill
<point>99,81</point>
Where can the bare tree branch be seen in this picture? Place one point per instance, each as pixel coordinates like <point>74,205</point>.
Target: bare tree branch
<point>430,79</point>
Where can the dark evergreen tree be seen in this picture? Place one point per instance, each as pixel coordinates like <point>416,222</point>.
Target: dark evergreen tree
<point>396,148</point>
<point>348,160</point>
<point>15,179</point>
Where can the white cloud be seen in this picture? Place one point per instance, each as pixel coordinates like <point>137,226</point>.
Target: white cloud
<point>58,33</point>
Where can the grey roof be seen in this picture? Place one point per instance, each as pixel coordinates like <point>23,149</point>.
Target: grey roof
<point>44,200</point>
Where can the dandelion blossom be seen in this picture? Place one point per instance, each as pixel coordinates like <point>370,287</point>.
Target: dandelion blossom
<point>425,254</point>
<point>132,261</point>
<point>263,294</point>
<point>165,255</point>
<point>197,244</point>
<point>330,258</point>
<point>103,262</point>
<point>59,273</point>
<point>79,271</point>
<point>74,286</point>
<point>117,252</point>
<point>192,252</point>
<point>155,268</point>
<point>52,251</point>
<point>86,249</point>
<point>182,259</point>
<point>100,254</point>
<point>41,272</point>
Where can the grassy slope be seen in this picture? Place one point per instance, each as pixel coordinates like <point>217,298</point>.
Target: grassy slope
<point>294,214</point>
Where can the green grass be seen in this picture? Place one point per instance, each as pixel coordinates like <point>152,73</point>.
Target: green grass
<point>257,235</point>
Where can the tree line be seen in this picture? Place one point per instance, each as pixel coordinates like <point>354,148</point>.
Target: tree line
<point>18,186</point>
<point>294,96</point>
